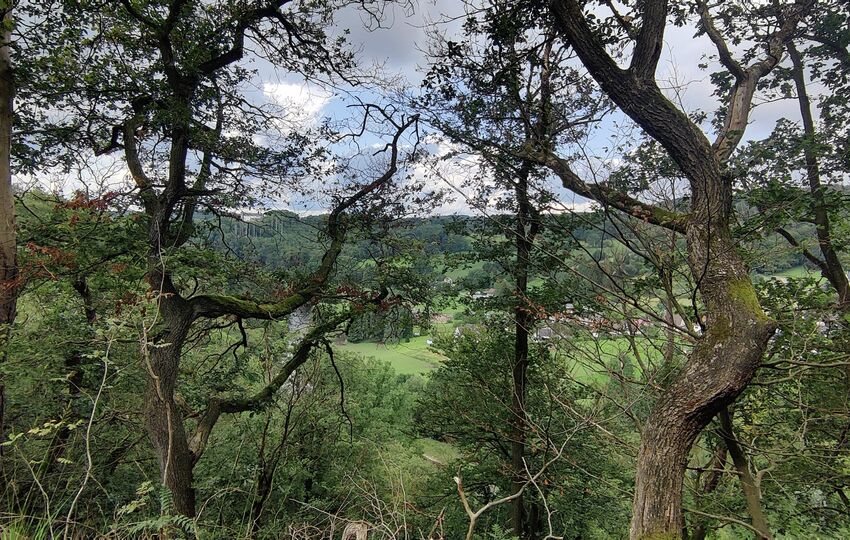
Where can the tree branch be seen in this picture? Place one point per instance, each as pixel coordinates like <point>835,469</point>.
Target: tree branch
<point>624,23</point>
<point>216,406</point>
<point>650,39</point>
<point>652,214</point>
<point>237,49</point>
<point>639,97</point>
<point>139,16</point>
<point>134,164</point>
<point>841,53</point>
<point>213,305</point>
<point>741,97</point>
<point>814,259</point>
<point>722,48</point>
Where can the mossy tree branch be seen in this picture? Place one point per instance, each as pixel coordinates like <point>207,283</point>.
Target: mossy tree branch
<point>217,406</point>
<point>216,305</point>
<point>605,195</point>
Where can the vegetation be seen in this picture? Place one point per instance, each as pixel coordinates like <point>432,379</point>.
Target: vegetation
<point>225,315</point>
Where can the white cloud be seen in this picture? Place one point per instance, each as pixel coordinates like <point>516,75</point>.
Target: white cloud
<point>302,103</point>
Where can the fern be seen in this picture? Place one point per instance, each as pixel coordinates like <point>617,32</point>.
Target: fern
<point>166,502</point>
<point>167,518</point>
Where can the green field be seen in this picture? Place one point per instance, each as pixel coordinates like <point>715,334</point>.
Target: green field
<point>459,272</point>
<point>411,357</point>
<point>801,271</point>
<point>589,360</point>
<point>797,272</point>
<point>436,451</point>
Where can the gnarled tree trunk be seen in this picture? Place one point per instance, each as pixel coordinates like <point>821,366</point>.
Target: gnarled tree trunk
<point>721,365</point>
<point>726,358</point>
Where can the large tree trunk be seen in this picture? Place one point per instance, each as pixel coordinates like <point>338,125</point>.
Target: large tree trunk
<point>8,257</point>
<point>8,242</point>
<point>163,418</point>
<point>721,365</point>
<point>737,331</point>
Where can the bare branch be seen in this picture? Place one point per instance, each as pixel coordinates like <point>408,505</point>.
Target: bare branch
<point>216,406</point>
<point>211,305</point>
<point>608,196</point>
<point>722,48</point>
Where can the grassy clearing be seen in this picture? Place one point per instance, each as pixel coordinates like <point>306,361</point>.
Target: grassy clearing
<point>409,358</point>
<point>801,271</point>
<point>589,360</point>
<point>797,272</point>
<point>458,273</point>
<point>438,451</point>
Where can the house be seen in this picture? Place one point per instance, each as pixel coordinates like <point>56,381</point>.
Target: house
<point>544,333</point>
<point>486,293</point>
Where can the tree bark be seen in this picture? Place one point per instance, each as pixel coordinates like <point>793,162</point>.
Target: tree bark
<point>721,365</point>
<point>8,240</point>
<point>8,252</point>
<point>163,419</point>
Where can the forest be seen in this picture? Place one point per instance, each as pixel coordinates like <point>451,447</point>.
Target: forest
<point>425,269</point>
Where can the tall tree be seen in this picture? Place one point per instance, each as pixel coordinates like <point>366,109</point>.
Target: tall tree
<point>794,179</point>
<point>491,95</point>
<point>527,227</point>
<point>162,88</point>
<point>737,330</point>
<point>8,244</point>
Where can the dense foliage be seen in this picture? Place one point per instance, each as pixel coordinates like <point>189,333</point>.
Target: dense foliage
<point>223,315</point>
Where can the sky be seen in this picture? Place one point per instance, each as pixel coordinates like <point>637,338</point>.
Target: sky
<point>399,45</point>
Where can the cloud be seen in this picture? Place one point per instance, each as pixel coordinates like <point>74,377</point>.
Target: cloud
<point>397,43</point>
<point>302,103</point>
<point>92,175</point>
<point>471,191</point>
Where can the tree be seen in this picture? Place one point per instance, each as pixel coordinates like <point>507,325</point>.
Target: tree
<point>793,178</point>
<point>176,83</point>
<point>737,331</point>
<point>468,400</point>
<point>8,244</point>
<point>490,95</point>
